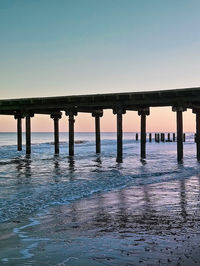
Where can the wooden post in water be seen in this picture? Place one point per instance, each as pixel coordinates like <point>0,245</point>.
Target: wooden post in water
<point>71,114</point>
<point>143,112</point>
<point>19,117</point>
<point>197,135</point>
<point>136,137</point>
<point>183,137</point>
<point>150,137</point>
<point>174,137</point>
<point>28,133</point>
<point>119,111</point>
<point>179,121</point>
<point>56,116</point>
<point>158,137</point>
<point>168,137</point>
<point>97,114</point>
<point>162,137</point>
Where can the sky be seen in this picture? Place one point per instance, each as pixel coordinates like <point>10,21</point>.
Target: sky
<point>67,47</point>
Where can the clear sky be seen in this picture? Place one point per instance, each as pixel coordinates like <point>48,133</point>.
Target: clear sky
<point>64,47</point>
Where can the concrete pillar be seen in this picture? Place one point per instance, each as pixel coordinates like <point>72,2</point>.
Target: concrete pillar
<point>28,133</point>
<point>197,135</point>
<point>97,114</point>
<point>119,111</point>
<point>56,116</point>
<point>19,117</point>
<point>71,114</point>
<point>143,112</point>
<point>179,123</point>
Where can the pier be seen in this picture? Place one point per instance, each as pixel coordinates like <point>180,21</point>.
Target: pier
<point>178,99</point>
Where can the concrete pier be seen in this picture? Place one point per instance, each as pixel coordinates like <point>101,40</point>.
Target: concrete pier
<point>119,111</point>
<point>71,120</point>
<point>19,117</point>
<point>56,117</point>
<point>28,133</point>
<point>143,112</point>
<point>179,123</point>
<point>97,115</point>
<point>196,111</point>
<point>141,102</point>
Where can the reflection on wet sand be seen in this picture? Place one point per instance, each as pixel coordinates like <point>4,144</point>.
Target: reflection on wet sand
<point>153,217</point>
<point>138,208</point>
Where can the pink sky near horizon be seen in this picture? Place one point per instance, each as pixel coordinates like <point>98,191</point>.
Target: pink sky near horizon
<point>159,120</point>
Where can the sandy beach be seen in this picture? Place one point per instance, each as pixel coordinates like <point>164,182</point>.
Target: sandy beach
<point>156,224</point>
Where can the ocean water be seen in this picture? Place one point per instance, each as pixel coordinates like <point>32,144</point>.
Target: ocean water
<point>31,185</point>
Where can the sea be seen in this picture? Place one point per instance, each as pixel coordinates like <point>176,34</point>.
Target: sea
<point>91,210</point>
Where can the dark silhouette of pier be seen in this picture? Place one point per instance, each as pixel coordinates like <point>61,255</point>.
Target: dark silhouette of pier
<point>179,99</point>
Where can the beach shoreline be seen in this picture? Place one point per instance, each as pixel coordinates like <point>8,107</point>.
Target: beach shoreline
<point>145,225</point>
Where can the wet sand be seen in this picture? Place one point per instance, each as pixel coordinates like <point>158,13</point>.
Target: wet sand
<point>155,224</point>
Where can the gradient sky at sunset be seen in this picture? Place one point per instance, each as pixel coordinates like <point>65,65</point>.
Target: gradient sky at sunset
<point>64,47</point>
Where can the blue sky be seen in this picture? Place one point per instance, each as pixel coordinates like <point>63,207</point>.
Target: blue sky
<point>64,47</point>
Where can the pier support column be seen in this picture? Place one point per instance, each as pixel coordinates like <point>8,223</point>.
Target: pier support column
<point>179,123</point>
<point>197,135</point>
<point>56,117</point>
<point>143,112</point>
<point>71,120</point>
<point>19,117</point>
<point>119,111</point>
<point>28,133</point>
<point>97,114</point>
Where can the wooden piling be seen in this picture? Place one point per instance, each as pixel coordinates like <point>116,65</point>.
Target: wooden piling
<point>162,137</point>
<point>150,137</point>
<point>168,137</point>
<point>183,137</point>
<point>136,136</point>
<point>174,137</point>
<point>158,137</point>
